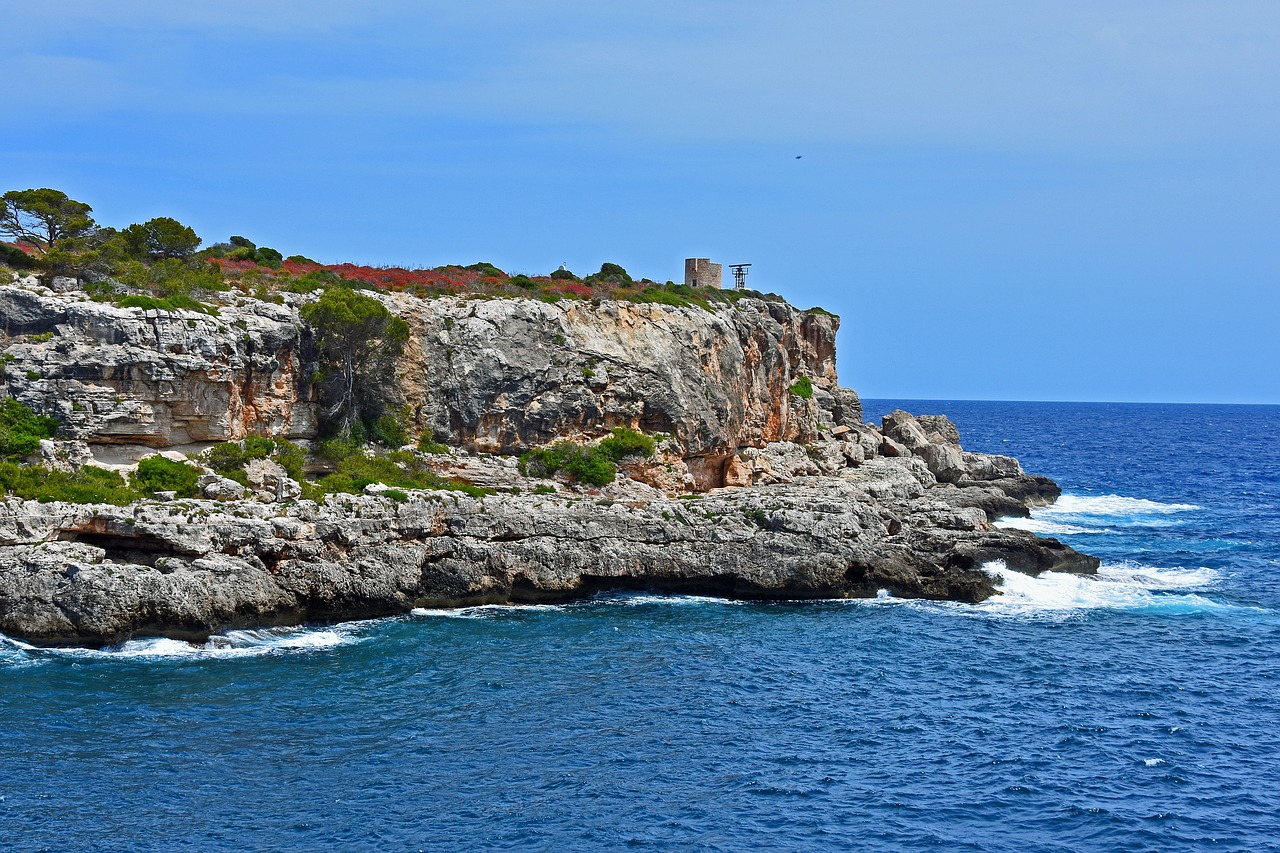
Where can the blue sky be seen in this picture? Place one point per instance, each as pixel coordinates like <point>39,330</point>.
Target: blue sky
<point>1003,200</point>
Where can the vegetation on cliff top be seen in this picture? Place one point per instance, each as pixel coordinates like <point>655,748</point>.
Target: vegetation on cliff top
<point>159,264</point>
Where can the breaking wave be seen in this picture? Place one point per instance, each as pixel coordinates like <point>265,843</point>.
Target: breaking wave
<point>232,644</point>
<point>1084,514</point>
<point>1121,586</point>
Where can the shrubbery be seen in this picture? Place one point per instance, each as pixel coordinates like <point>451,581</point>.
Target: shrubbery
<point>87,485</point>
<point>159,474</point>
<point>398,469</point>
<point>581,462</point>
<point>595,465</point>
<point>624,441</point>
<point>21,429</point>
<point>230,458</point>
<point>803,388</point>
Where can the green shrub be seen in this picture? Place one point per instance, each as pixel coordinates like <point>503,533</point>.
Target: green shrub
<point>291,458</point>
<point>14,258</point>
<point>583,463</point>
<point>396,495</point>
<point>803,388</point>
<point>822,311</point>
<point>486,269</point>
<point>591,465</point>
<point>268,257</point>
<point>610,274</point>
<point>21,429</point>
<point>312,281</point>
<point>522,281</point>
<point>159,474</point>
<point>226,457</point>
<point>564,275</point>
<point>389,430</point>
<point>87,485</point>
<point>399,470</point>
<point>169,303</point>
<point>427,443</point>
<point>624,441</point>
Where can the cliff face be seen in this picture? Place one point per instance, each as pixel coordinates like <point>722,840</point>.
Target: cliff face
<point>497,375</point>
<point>156,378</point>
<point>505,375</point>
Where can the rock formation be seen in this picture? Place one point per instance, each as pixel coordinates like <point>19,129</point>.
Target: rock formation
<point>758,490</point>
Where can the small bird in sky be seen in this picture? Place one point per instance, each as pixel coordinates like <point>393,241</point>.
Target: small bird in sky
<point>798,156</point>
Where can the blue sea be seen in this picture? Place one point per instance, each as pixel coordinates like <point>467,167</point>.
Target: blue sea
<point>1139,710</point>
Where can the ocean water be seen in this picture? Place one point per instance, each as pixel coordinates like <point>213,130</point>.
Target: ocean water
<point>1136,711</point>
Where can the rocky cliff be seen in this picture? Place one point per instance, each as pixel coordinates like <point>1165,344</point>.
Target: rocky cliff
<point>763,486</point>
<point>496,375</point>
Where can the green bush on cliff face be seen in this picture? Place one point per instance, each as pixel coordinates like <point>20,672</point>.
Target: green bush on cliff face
<point>583,463</point>
<point>159,474</point>
<point>87,485</point>
<point>624,441</point>
<point>230,457</point>
<point>803,388</point>
<point>21,429</point>
<point>398,469</point>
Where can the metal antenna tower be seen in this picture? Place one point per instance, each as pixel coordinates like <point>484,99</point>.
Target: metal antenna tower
<point>739,275</point>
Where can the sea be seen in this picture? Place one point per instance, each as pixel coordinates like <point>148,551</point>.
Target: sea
<point>1138,710</point>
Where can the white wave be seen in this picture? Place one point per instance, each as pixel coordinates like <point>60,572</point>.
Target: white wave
<point>1116,587</point>
<point>1044,526</point>
<point>1153,762</point>
<point>233,644</point>
<point>1110,505</point>
<point>481,611</point>
<point>1084,514</point>
<point>640,599</point>
<point>621,599</point>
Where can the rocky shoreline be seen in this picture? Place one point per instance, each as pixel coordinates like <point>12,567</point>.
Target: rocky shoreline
<point>97,575</point>
<point>766,483</point>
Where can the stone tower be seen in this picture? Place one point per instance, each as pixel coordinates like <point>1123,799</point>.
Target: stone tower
<point>700,272</point>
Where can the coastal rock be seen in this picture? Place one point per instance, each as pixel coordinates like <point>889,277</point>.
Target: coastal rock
<point>101,574</point>
<point>755,491</point>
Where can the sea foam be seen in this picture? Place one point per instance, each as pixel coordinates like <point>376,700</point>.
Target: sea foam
<point>1121,586</point>
<point>232,644</point>
<point>1084,514</point>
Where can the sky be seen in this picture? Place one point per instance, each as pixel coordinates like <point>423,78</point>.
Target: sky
<point>1003,199</point>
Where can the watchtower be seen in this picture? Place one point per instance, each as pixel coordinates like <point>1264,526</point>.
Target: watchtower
<point>700,272</point>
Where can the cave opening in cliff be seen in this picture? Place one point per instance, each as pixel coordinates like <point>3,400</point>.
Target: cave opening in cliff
<point>139,549</point>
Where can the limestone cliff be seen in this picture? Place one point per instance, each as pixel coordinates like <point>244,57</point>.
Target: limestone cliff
<point>498,375</point>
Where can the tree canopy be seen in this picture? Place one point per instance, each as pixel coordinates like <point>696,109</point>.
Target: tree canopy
<point>44,216</point>
<point>358,341</point>
<point>162,237</point>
